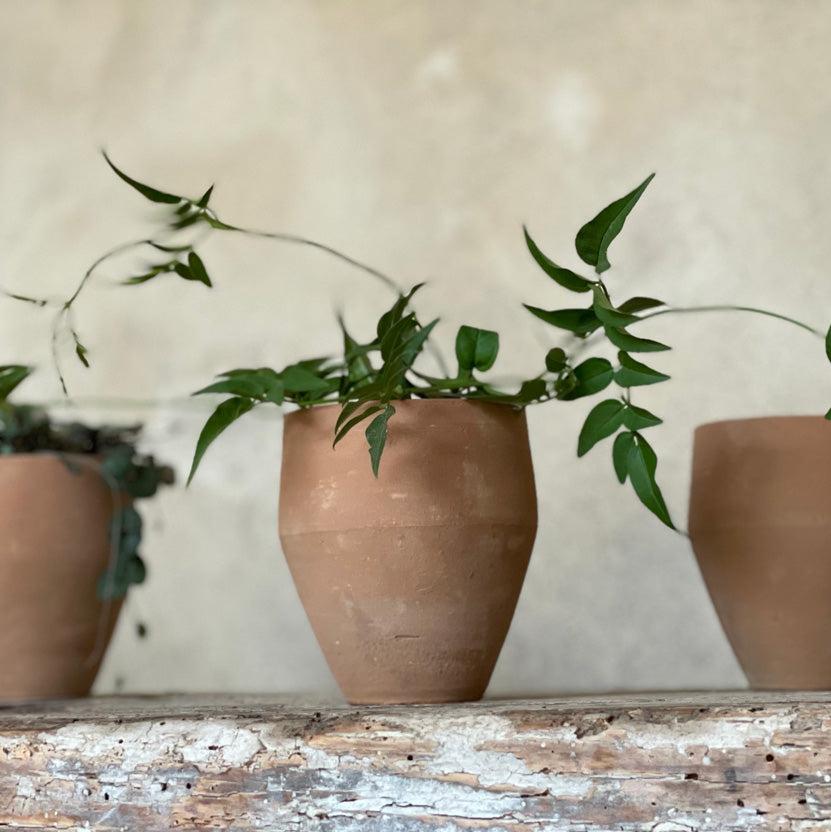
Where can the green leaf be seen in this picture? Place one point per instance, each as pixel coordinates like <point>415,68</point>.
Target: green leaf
<point>146,191</point>
<point>27,299</point>
<point>565,277</point>
<point>591,376</point>
<point>639,304</point>
<point>603,420</point>
<point>828,344</point>
<point>636,418</point>
<point>10,376</point>
<point>828,415</point>
<point>555,360</point>
<point>170,249</point>
<point>579,321</point>
<point>81,351</point>
<point>299,379</point>
<point>396,312</point>
<point>595,237</point>
<point>620,454</point>
<point>205,198</point>
<point>633,374</point>
<point>476,349</point>
<point>183,270</point>
<point>253,385</point>
<point>229,411</point>
<point>627,342</point>
<point>376,436</point>
<point>641,465</point>
<point>358,364</point>
<point>607,313</point>
<point>143,278</point>
<point>197,268</point>
<point>343,427</point>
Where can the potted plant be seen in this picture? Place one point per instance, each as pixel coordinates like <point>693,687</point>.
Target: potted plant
<point>69,541</point>
<point>760,511</point>
<point>376,380</point>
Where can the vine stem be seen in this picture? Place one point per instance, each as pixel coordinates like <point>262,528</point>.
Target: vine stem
<point>296,239</point>
<point>728,308</point>
<point>66,307</point>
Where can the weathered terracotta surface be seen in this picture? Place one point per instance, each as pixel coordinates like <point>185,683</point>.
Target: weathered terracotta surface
<point>695,762</point>
<point>410,581</point>
<point>760,525</point>
<point>54,544</point>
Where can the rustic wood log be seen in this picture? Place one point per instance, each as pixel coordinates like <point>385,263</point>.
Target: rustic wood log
<point>656,762</point>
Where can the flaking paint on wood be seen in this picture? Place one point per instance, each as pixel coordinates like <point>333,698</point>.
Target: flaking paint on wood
<point>737,761</point>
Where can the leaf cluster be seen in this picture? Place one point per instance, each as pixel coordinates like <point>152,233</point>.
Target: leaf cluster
<point>632,456</point>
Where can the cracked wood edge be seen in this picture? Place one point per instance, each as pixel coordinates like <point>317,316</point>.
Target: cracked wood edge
<point>664,763</point>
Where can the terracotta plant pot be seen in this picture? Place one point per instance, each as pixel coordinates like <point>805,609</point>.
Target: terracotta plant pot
<point>410,581</point>
<point>54,545</point>
<point>760,525</point>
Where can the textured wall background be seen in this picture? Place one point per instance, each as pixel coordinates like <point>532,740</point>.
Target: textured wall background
<point>419,136</point>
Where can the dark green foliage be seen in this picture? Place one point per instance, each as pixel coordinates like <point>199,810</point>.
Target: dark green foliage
<point>565,277</point>
<point>632,457</point>
<point>595,237</point>
<point>112,451</point>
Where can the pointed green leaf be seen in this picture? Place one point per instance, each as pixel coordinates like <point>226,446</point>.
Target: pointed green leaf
<point>146,191</point>
<point>299,379</point>
<point>591,376</point>
<point>565,277</point>
<point>641,465</point>
<point>637,418</point>
<point>229,411</point>
<point>81,351</point>
<point>579,321</point>
<point>607,313</point>
<point>620,454</point>
<point>344,427</point>
<point>639,304</point>
<point>205,198</point>
<point>603,420</point>
<point>476,349</point>
<point>376,436</point>
<point>595,237</point>
<point>10,376</point>
<point>828,344</point>
<point>555,360</point>
<point>627,342</point>
<point>828,414</point>
<point>197,268</point>
<point>633,374</point>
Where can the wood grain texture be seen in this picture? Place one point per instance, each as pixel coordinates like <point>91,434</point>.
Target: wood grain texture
<point>658,762</point>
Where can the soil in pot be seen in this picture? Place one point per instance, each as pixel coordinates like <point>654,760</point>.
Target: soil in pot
<point>760,525</point>
<point>54,546</point>
<point>410,580</point>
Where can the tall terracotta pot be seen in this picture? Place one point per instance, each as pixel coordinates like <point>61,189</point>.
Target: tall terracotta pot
<point>760,525</point>
<point>410,581</point>
<point>54,545</point>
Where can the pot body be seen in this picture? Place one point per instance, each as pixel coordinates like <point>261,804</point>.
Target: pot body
<point>760,525</point>
<point>410,580</point>
<point>54,545</point>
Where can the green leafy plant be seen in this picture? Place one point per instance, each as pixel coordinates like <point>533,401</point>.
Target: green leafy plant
<point>109,450</point>
<point>633,458</point>
<point>372,374</point>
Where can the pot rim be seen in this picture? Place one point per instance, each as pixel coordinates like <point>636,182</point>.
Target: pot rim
<point>444,401</point>
<point>792,417</point>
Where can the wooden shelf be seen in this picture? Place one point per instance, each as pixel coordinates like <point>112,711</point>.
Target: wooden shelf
<point>662,762</point>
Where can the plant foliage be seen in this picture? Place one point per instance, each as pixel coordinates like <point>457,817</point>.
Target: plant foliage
<point>111,450</point>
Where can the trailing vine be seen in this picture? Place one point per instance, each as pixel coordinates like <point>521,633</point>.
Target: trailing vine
<point>112,451</point>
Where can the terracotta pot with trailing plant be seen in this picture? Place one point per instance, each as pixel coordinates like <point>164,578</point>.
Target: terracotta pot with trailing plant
<point>760,502</point>
<point>69,538</point>
<point>410,569</point>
